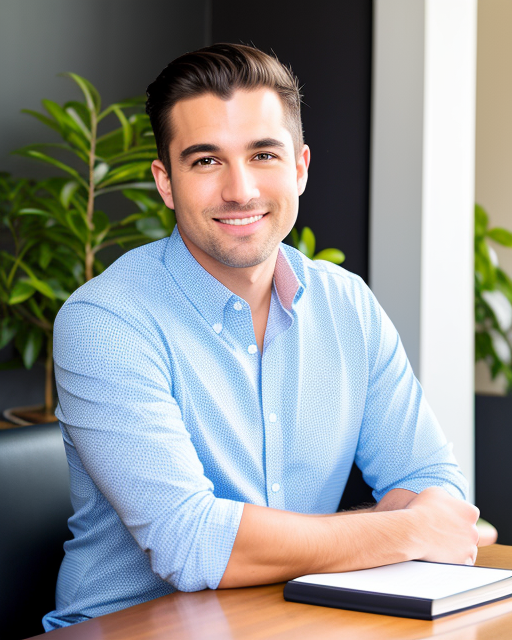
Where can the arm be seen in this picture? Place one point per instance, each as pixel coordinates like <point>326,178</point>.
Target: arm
<point>116,402</point>
<point>401,444</point>
<point>272,546</point>
<point>393,500</point>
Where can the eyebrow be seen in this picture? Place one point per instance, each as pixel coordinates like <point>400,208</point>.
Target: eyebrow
<point>213,148</point>
<point>266,142</point>
<point>198,148</point>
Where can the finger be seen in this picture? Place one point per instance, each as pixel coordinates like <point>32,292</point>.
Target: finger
<point>487,534</point>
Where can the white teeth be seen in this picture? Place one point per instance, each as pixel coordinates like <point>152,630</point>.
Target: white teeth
<point>241,221</point>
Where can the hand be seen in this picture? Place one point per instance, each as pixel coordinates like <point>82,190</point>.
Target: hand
<point>446,527</point>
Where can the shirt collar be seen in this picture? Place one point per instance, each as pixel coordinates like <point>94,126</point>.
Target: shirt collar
<point>208,295</point>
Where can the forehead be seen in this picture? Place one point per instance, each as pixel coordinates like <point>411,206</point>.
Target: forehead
<point>247,115</point>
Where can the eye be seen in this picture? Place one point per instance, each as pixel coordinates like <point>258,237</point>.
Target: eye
<point>204,162</point>
<point>265,156</point>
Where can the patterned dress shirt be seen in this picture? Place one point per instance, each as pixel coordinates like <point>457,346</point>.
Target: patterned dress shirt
<point>172,418</point>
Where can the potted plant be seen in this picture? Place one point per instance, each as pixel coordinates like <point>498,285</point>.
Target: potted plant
<point>56,227</point>
<point>493,347</point>
<point>493,300</point>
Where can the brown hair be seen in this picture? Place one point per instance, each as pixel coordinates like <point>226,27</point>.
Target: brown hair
<point>220,69</point>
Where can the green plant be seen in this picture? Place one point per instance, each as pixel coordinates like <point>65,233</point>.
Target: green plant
<point>306,243</point>
<point>55,227</point>
<point>493,300</point>
<point>34,279</point>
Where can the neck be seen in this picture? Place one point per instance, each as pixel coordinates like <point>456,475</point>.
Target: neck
<point>252,284</point>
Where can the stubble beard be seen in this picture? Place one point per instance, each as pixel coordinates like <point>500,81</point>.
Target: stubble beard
<point>249,258</point>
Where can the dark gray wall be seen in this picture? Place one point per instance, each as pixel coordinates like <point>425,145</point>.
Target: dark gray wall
<point>329,46</point>
<point>119,45</point>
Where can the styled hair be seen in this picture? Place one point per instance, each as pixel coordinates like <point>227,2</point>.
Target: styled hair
<point>220,69</point>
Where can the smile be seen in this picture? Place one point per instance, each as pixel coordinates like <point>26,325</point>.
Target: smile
<point>240,221</point>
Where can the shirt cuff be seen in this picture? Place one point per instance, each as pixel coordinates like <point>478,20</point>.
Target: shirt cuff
<point>222,531</point>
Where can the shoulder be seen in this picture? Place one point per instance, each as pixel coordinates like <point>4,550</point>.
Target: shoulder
<point>326,280</point>
<point>127,289</point>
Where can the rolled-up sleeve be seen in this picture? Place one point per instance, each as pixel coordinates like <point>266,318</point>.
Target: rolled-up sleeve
<point>401,444</point>
<point>114,384</point>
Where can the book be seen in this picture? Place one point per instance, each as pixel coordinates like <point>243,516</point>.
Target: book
<point>414,589</point>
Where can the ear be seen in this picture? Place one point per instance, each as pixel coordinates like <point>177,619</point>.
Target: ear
<point>163,183</point>
<point>302,168</point>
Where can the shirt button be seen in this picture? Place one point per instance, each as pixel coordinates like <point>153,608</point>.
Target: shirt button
<point>252,348</point>
<point>238,306</point>
<point>275,487</point>
<point>272,417</point>
<point>217,327</point>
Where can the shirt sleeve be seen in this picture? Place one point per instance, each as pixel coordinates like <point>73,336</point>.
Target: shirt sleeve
<point>401,444</point>
<point>115,398</point>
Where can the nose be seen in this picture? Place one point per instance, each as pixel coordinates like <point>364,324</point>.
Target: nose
<point>239,184</point>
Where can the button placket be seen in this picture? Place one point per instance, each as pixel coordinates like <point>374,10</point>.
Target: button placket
<point>272,427</point>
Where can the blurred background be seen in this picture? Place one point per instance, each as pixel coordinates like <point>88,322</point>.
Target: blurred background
<point>407,110</point>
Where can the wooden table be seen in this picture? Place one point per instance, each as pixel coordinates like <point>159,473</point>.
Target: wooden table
<point>260,612</point>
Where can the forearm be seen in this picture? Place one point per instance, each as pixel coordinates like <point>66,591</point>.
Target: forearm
<point>272,546</point>
<point>393,500</point>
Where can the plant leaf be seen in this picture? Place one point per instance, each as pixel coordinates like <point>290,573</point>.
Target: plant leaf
<point>79,122</point>
<point>501,236</point>
<point>8,330</point>
<point>101,224</point>
<point>82,110</point>
<point>42,118</point>
<point>131,218</point>
<point>128,185</point>
<point>33,212</point>
<point>331,255</point>
<point>42,287</point>
<point>152,228</point>
<point>125,172</point>
<point>141,199</point>
<point>100,171</point>
<point>138,101</point>
<point>67,192</point>
<point>45,255</point>
<point>308,238</point>
<point>92,97</point>
<point>32,347</point>
<point>43,157</point>
<point>481,221</point>
<point>141,152</point>
<point>127,129</point>
<point>59,292</point>
<point>21,291</point>
<point>78,226</point>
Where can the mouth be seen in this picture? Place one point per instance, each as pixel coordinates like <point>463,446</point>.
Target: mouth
<point>241,222</point>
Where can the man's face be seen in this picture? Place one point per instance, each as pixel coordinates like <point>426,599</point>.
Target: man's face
<point>236,177</point>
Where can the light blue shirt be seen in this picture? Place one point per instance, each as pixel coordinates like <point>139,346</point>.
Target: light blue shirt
<point>172,419</point>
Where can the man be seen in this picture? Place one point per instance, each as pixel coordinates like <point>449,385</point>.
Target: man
<point>216,386</point>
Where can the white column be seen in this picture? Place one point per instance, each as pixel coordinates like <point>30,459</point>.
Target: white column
<point>422,195</point>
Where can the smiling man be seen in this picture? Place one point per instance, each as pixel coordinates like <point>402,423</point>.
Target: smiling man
<point>216,386</point>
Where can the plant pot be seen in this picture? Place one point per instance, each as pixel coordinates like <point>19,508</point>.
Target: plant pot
<point>25,416</point>
<point>493,461</point>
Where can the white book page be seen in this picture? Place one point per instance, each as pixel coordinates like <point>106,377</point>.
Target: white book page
<point>414,579</point>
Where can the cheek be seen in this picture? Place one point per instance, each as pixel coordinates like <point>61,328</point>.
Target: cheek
<point>280,186</point>
<point>195,195</point>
